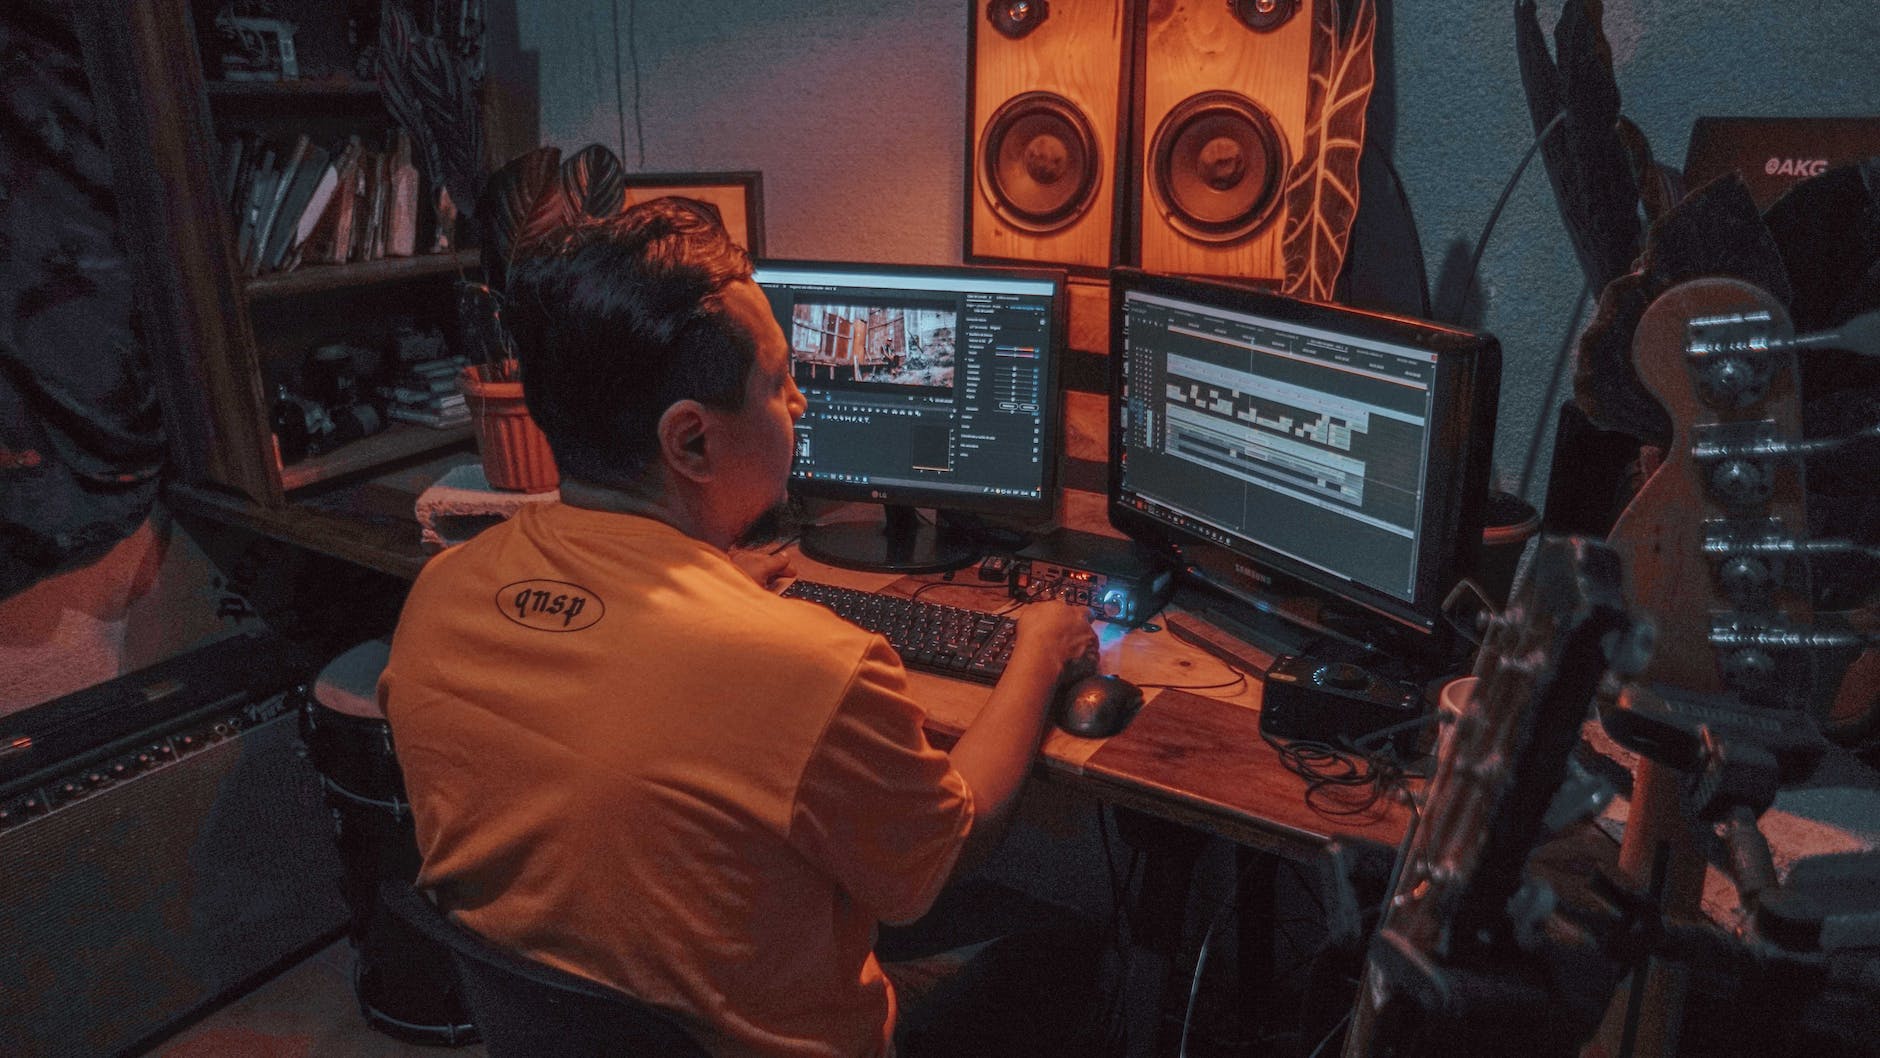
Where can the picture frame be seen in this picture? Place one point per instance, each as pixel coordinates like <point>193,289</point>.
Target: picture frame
<point>737,196</point>
<point>256,48</point>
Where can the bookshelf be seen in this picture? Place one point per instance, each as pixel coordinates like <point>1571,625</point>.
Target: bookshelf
<point>220,340</point>
<point>312,279</point>
<point>292,90</point>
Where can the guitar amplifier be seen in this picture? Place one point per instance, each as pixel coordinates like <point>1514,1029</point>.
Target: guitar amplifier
<point>163,843</point>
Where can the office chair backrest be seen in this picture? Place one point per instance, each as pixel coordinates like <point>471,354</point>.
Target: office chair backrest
<point>526,1009</point>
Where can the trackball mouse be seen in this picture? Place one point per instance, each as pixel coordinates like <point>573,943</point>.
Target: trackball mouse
<point>1099,706</point>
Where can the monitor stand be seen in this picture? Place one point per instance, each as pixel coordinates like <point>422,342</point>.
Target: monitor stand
<point>900,543</point>
<point>1304,625</point>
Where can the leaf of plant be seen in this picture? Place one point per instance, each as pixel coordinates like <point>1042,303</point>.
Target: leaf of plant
<point>1659,187</point>
<point>554,209</point>
<point>1322,189</point>
<point>433,93</point>
<point>594,179</point>
<point>1586,161</point>
<point>1715,230</point>
<point>509,197</point>
<point>1538,76</point>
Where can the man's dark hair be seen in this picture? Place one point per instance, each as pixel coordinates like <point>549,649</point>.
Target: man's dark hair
<point>617,319</point>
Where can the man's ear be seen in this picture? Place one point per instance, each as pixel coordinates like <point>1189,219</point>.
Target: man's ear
<point>682,432</point>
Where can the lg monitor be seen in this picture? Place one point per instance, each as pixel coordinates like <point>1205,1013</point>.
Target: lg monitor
<point>1310,460</point>
<point>928,387</point>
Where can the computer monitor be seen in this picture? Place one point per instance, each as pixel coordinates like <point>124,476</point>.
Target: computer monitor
<point>1318,462</point>
<point>928,387</point>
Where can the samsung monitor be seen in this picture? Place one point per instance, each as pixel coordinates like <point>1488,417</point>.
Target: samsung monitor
<point>1319,462</point>
<point>928,387</point>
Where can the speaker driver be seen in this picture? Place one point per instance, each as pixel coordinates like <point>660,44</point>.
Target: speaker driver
<point>1217,163</point>
<point>1038,164</point>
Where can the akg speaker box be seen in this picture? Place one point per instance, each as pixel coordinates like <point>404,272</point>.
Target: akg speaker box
<point>1221,122</point>
<point>1047,87</point>
<point>163,843</point>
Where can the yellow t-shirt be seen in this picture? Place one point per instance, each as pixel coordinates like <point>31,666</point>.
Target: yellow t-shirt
<point>627,760</point>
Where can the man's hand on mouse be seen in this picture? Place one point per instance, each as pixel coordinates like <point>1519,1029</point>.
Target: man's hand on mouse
<point>1063,635</point>
<point>763,567</point>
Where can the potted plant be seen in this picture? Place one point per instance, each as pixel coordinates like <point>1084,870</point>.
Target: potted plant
<point>515,454</point>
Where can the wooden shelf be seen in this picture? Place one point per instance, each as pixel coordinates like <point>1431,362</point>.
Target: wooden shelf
<point>299,89</point>
<point>399,441</point>
<point>314,279</point>
<point>369,521</point>
<point>375,541</point>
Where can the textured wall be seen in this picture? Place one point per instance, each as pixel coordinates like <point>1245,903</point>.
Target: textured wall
<point>855,112</point>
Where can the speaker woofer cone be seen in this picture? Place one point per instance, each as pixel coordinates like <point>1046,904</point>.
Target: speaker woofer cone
<point>1216,166</point>
<point>1038,162</point>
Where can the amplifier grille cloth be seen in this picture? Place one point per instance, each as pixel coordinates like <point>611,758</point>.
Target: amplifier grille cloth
<point>135,907</point>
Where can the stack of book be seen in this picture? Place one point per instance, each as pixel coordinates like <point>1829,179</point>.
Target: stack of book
<point>426,392</point>
<point>304,203</point>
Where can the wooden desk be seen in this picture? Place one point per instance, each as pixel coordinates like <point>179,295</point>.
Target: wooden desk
<point>1192,757</point>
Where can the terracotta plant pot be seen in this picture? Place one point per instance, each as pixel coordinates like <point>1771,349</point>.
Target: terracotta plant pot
<point>515,454</point>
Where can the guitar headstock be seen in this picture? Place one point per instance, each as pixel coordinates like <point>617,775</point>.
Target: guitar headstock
<point>1710,541</point>
<point>1503,756</point>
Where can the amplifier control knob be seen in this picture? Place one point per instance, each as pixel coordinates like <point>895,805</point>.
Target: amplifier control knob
<point>95,778</point>
<point>120,770</point>
<point>70,789</point>
<point>32,806</point>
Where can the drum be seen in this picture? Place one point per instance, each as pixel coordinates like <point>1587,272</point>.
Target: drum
<point>406,985</point>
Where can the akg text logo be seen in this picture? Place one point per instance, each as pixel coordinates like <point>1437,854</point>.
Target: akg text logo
<point>1795,166</point>
<point>550,605</point>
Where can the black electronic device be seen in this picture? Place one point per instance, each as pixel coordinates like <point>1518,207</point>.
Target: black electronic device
<point>1335,702</point>
<point>949,640</point>
<point>1774,154</point>
<point>1315,462</point>
<point>1099,706</point>
<point>1115,578</point>
<point>163,845</point>
<point>927,386</point>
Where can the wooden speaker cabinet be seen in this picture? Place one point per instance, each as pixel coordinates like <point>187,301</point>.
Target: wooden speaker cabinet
<point>1047,84</point>
<point>1221,123</point>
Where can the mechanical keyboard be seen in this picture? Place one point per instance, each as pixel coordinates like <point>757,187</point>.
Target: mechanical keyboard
<point>965,644</point>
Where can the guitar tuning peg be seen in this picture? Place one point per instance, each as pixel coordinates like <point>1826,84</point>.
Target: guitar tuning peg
<point>1469,611</point>
<point>1629,649</point>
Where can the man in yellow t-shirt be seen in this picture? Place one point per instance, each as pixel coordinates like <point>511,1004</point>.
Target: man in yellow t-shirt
<point>629,759</point>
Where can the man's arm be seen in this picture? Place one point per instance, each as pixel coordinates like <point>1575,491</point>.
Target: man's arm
<point>1055,645</point>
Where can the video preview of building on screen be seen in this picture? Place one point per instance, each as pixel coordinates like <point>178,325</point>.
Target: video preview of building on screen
<point>906,345</point>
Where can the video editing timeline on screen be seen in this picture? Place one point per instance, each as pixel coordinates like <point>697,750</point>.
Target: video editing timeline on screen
<point>1307,442</point>
<point>928,382</point>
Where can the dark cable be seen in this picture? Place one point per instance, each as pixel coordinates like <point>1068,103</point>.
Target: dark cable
<point>1481,242</point>
<point>1416,239</point>
<point>633,49</point>
<point>1239,681</point>
<point>1328,1036</point>
<point>1561,360</point>
<point>620,103</point>
<point>1115,1025</point>
<point>1327,769</point>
